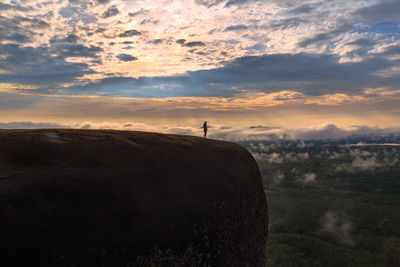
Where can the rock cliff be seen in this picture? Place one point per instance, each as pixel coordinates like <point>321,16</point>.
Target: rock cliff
<point>119,198</point>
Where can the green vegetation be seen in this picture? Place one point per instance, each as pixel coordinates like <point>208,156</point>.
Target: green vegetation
<point>332,203</point>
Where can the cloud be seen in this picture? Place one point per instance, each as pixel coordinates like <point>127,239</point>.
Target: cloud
<point>78,50</point>
<point>155,41</point>
<point>130,33</point>
<point>307,178</point>
<point>193,44</point>
<point>152,21</point>
<point>278,177</point>
<point>365,160</point>
<point>43,65</point>
<point>6,7</point>
<point>30,125</point>
<point>209,3</point>
<point>75,14</point>
<point>70,38</point>
<point>110,12</point>
<point>364,42</point>
<point>383,10</point>
<point>365,164</point>
<point>137,13</point>
<point>324,38</point>
<point>126,57</point>
<point>20,29</point>
<point>310,74</point>
<point>306,8</point>
<point>102,2</point>
<point>239,27</point>
<point>221,132</point>
<point>237,2</point>
<point>339,226</point>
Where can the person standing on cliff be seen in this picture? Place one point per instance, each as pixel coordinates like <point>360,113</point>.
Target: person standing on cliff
<point>205,129</point>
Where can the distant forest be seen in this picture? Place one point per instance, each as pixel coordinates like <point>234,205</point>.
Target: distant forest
<point>332,202</point>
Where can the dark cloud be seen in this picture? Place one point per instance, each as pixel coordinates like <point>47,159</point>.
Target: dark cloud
<point>323,38</point>
<point>110,12</point>
<point>126,57</point>
<point>102,2</point>
<point>78,50</point>
<point>39,66</point>
<point>209,3</point>
<point>284,3</point>
<point>130,33</point>
<point>237,2</point>
<point>392,50</point>
<point>192,44</point>
<point>100,30</point>
<point>19,38</point>
<point>285,23</point>
<point>137,13</point>
<point>181,41</point>
<point>7,7</point>
<point>20,29</point>
<point>306,8</point>
<point>311,74</point>
<point>155,41</point>
<point>147,21</point>
<point>384,10</point>
<point>23,37</point>
<point>364,42</point>
<point>30,125</point>
<point>236,28</point>
<point>35,23</point>
<point>70,38</point>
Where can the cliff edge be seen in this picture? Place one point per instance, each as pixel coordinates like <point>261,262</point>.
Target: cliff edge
<point>119,198</point>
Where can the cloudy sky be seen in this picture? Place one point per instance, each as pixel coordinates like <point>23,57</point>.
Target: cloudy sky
<point>242,63</point>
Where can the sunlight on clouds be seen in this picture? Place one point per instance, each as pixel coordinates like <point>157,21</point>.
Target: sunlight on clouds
<point>270,62</point>
<point>225,132</point>
<point>286,109</point>
<point>335,99</point>
<point>15,88</point>
<point>149,30</point>
<point>381,91</point>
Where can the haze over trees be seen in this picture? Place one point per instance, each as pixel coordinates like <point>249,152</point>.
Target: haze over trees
<point>332,202</point>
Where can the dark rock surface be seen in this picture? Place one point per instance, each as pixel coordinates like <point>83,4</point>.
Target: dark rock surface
<point>116,198</point>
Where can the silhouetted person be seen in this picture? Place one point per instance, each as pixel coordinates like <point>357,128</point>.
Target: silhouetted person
<point>205,129</point>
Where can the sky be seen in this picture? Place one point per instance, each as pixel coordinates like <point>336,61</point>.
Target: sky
<point>168,65</point>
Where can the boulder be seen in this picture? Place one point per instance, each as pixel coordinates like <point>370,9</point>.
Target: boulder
<point>123,198</point>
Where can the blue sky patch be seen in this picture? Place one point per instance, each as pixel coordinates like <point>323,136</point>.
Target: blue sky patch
<point>390,28</point>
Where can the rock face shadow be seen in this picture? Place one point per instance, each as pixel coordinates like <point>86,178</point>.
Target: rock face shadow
<point>118,198</point>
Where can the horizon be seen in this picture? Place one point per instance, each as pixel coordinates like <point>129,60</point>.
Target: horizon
<point>300,68</point>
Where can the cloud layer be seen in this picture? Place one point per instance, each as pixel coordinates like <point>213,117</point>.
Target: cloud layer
<point>224,132</point>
